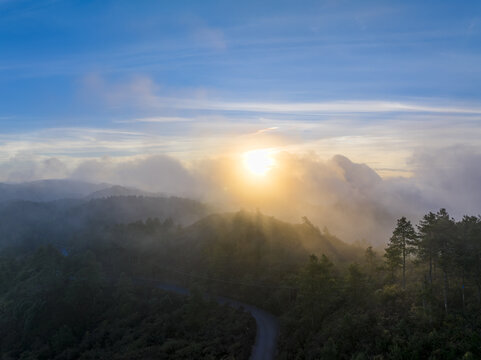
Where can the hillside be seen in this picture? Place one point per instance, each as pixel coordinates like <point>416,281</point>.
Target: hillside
<point>265,234</point>
<point>116,191</point>
<point>47,190</point>
<point>35,223</point>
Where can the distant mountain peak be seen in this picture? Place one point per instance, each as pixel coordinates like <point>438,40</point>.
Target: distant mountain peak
<point>117,190</point>
<point>48,190</point>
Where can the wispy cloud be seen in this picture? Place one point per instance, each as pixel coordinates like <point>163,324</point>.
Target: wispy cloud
<point>319,107</point>
<point>196,123</point>
<point>261,131</point>
<point>79,142</point>
<point>385,143</point>
<point>156,119</point>
<point>143,92</point>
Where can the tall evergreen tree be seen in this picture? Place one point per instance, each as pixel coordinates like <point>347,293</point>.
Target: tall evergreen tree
<point>426,247</point>
<point>401,244</point>
<point>445,238</point>
<point>438,237</point>
<point>393,259</point>
<point>465,250</point>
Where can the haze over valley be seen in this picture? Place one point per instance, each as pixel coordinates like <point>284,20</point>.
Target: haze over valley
<point>240,180</point>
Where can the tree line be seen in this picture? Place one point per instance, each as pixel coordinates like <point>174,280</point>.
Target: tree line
<point>443,251</point>
<point>418,299</point>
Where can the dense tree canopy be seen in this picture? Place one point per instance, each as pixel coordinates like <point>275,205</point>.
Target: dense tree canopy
<point>56,307</point>
<point>80,297</point>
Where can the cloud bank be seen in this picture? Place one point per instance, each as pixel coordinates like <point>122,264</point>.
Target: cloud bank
<point>349,198</point>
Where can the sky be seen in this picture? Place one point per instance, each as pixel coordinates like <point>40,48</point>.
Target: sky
<point>392,85</point>
<point>119,78</point>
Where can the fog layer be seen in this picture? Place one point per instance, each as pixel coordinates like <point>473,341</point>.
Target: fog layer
<point>348,198</point>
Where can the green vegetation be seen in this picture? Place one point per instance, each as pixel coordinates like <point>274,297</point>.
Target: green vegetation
<point>431,310</point>
<point>418,299</point>
<point>56,307</point>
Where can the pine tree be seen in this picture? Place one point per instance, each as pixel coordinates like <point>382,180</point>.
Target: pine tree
<point>400,245</point>
<point>393,259</point>
<point>445,238</point>
<point>464,257</point>
<point>438,236</point>
<point>426,249</point>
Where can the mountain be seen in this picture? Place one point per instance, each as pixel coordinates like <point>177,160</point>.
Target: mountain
<point>35,223</point>
<point>116,191</point>
<point>125,209</point>
<point>48,190</point>
<point>249,244</point>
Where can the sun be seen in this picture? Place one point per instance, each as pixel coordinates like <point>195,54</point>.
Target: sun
<point>259,162</point>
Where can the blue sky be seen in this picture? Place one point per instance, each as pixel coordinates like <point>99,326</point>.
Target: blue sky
<point>375,80</point>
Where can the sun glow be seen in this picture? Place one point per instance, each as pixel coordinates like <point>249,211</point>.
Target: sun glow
<point>259,162</point>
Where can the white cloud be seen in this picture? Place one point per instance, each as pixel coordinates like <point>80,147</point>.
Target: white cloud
<point>350,198</point>
<point>322,107</point>
<point>23,168</point>
<point>158,173</point>
<point>142,91</point>
<point>156,119</point>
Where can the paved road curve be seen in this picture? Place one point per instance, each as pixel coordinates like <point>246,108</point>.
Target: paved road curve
<point>267,324</point>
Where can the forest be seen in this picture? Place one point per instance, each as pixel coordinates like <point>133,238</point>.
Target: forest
<point>420,299</point>
<point>57,307</point>
<point>75,293</point>
<point>233,180</point>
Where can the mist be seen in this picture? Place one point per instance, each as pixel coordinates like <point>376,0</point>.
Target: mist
<point>349,199</point>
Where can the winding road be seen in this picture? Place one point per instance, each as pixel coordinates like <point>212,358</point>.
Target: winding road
<point>267,325</point>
